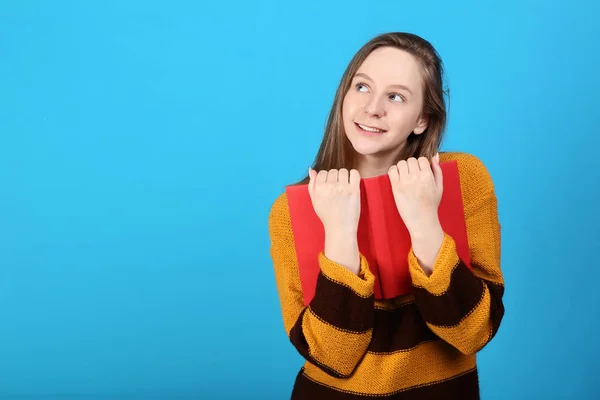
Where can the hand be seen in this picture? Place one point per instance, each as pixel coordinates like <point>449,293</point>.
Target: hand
<point>335,196</point>
<point>417,186</point>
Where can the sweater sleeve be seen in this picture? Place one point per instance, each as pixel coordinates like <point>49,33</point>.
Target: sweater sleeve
<point>334,331</point>
<point>464,306</point>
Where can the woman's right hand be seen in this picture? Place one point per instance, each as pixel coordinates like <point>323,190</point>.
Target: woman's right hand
<point>335,196</point>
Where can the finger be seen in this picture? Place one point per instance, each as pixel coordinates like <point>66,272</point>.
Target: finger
<point>343,175</point>
<point>393,173</point>
<point>321,177</point>
<point>424,164</point>
<point>437,171</point>
<point>354,178</point>
<point>413,165</point>
<point>402,169</point>
<point>425,167</point>
<point>332,175</point>
<point>312,174</point>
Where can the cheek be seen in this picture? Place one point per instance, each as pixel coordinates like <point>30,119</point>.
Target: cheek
<point>351,104</point>
<point>403,119</point>
<point>347,111</point>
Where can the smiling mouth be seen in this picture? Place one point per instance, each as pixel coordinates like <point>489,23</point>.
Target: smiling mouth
<point>369,129</point>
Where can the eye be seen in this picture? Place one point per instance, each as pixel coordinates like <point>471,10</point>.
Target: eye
<point>361,87</point>
<point>396,97</point>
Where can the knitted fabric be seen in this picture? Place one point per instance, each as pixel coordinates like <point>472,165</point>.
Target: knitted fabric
<point>420,345</point>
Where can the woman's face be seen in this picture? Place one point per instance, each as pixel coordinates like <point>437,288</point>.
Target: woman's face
<point>383,105</point>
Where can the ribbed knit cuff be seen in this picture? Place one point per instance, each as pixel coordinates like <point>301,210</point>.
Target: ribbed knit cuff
<point>439,281</point>
<point>362,284</point>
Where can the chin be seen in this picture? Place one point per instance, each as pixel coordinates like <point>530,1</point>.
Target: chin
<point>365,148</point>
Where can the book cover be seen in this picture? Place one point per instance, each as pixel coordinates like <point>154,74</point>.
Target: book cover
<point>382,236</point>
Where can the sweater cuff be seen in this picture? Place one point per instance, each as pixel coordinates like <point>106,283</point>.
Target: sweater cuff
<point>361,283</point>
<point>439,281</point>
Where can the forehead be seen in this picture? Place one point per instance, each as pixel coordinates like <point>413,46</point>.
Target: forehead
<point>392,66</point>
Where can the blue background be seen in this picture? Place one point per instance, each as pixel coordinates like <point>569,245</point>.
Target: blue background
<point>143,142</point>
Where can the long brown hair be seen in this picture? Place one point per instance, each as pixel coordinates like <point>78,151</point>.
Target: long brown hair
<point>336,150</point>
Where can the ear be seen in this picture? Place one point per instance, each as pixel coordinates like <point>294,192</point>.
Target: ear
<point>421,125</point>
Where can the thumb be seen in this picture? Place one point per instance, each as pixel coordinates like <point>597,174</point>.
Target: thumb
<point>437,171</point>
<point>311,182</point>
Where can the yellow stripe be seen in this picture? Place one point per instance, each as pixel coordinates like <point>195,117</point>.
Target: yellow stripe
<point>339,350</point>
<point>486,248</point>
<point>473,331</point>
<point>285,264</point>
<point>384,374</point>
<point>481,212</point>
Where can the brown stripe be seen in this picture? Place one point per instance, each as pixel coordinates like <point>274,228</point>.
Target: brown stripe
<point>464,293</point>
<point>340,306</point>
<point>496,306</point>
<point>400,329</point>
<point>464,387</point>
<point>299,341</point>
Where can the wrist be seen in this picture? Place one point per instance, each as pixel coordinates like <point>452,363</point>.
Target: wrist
<point>426,228</point>
<point>426,244</point>
<point>340,232</point>
<point>341,246</point>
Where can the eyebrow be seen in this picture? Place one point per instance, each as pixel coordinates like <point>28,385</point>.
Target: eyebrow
<point>403,87</point>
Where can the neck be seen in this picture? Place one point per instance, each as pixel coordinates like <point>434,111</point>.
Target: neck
<point>370,166</point>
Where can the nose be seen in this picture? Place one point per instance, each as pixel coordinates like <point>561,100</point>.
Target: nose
<point>374,106</point>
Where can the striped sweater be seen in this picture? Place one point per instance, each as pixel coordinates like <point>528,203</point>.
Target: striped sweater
<point>419,346</point>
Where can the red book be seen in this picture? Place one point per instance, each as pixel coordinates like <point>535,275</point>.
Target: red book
<point>382,236</point>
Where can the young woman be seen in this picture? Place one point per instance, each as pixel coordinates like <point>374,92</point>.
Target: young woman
<point>388,117</point>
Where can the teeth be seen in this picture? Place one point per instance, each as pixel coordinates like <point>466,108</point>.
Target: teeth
<point>369,129</point>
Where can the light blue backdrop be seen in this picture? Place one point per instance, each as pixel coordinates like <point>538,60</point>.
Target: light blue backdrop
<point>143,142</point>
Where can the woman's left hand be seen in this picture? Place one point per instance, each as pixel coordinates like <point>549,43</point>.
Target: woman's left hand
<point>417,186</point>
